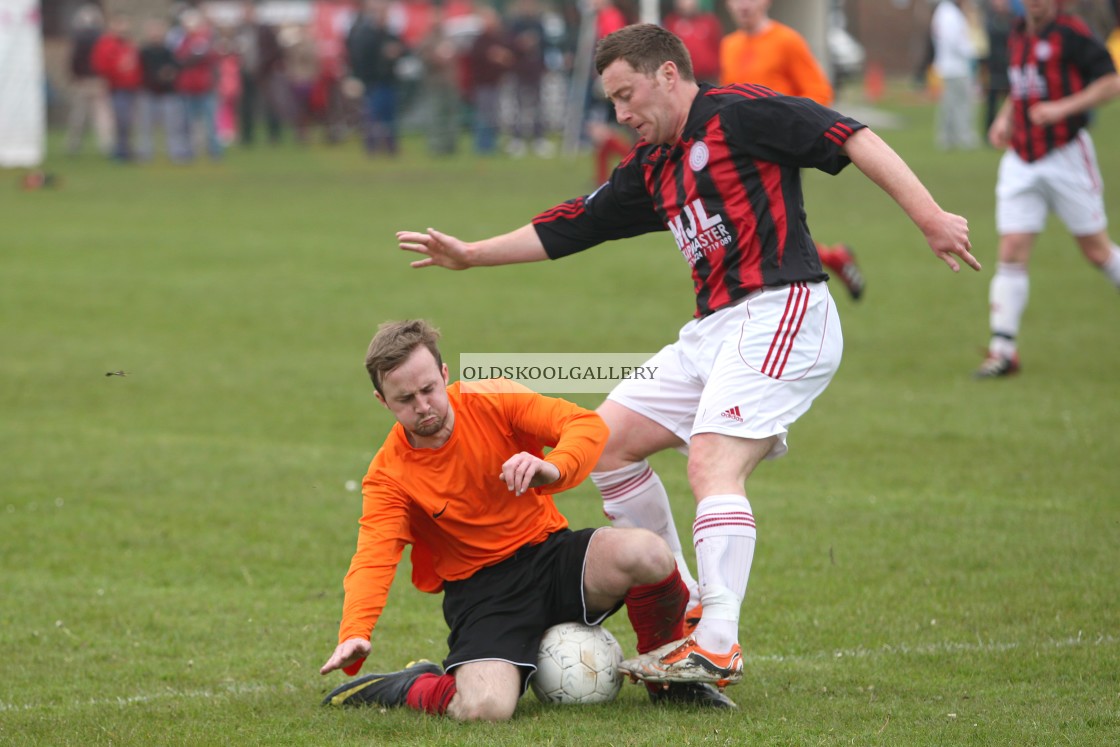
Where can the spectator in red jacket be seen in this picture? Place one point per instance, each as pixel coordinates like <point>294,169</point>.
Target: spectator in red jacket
<point>116,60</point>
<point>196,85</point>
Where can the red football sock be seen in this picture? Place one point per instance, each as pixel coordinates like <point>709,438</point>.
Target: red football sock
<point>611,146</point>
<point>431,693</point>
<point>657,611</point>
<point>830,257</point>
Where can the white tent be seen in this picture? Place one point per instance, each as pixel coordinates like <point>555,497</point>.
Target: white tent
<point>22,96</point>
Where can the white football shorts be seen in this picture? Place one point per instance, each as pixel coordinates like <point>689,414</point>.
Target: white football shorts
<point>1066,181</point>
<point>748,370</point>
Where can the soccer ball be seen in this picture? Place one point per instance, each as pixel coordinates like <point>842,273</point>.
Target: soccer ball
<point>577,664</point>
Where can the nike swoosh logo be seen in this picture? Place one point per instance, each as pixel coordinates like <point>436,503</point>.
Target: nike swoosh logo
<point>439,513</point>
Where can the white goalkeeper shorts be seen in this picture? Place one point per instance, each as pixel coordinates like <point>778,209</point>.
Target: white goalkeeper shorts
<point>749,370</point>
<point>1066,182</point>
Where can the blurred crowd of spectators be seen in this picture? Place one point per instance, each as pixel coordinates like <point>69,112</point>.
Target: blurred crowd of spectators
<point>213,74</point>
<point>199,82</point>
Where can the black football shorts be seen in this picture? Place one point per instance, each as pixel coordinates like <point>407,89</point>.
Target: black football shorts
<point>502,611</point>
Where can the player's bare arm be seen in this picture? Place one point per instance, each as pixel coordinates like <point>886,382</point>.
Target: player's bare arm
<point>524,470</point>
<point>999,134</point>
<point>346,653</point>
<point>443,250</point>
<point>946,233</point>
<point>1101,90</point>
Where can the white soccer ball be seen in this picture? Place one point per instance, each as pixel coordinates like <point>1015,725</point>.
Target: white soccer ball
<point>577,664</point>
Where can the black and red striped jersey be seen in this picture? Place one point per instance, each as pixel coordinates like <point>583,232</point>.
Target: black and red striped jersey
<point>729,191</point>
<point>1058,61</point>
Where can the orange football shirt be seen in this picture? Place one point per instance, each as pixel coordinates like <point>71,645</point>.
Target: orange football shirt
<point>450,503</point>
<point>778,58</point>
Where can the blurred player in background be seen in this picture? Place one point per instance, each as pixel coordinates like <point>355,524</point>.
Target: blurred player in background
<point>609,142</point>
<point>1059,71</point>
<point>720,168</point>
<point>463,478</point>
<point>701,31</point>
<point>764,52</point>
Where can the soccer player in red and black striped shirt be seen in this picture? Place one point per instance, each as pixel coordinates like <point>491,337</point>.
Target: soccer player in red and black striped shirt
<point>720,168</point>
<point>1059,71</point>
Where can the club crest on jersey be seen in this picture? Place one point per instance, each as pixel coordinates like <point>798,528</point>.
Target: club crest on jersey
<point>698,156</point>
<point>1042,51</point>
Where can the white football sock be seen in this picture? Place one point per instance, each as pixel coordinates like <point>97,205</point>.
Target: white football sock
<point>724,536</point>
<point>1111,266</point>
<point>1007,299</point>
<point>634,496</point>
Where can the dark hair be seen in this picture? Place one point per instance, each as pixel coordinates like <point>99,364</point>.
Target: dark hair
<point>646,46</point>
<point>394,342</point>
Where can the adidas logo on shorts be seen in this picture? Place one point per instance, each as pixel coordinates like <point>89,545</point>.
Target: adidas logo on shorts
<point>733,413</point>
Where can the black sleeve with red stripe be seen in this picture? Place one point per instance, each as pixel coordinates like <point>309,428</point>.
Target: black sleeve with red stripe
<point>619,209</point>
<point>791,131</point>
<point>1086,52</point>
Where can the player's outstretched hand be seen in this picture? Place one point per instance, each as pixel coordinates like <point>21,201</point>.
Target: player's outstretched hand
<point>439,249</point>
<point>524,470</point>
<point>999,134</point>
<point>350,651</point>
<point>948,238</point>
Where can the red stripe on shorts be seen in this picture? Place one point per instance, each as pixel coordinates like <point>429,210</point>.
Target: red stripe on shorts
<point>780,347</point>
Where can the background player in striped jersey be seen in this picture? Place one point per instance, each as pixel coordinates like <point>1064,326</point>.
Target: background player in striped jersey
<point>463,478</point>
<point>768,53</point>
<point>1059,71</point>
<point>721,169</point>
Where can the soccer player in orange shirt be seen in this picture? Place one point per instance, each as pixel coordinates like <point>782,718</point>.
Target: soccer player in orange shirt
<point>765,52</point>
<point>464,479</point>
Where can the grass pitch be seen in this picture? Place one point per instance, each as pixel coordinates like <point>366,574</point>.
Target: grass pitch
<point>937,558</point>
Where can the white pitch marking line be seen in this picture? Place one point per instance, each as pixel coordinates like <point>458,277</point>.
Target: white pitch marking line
<point>234,689</point>
<point>887,649</point>
<point>945,647</point>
